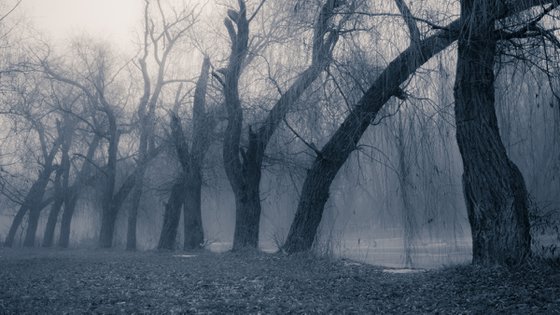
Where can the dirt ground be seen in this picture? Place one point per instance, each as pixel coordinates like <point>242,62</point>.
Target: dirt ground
<point>114,282</point>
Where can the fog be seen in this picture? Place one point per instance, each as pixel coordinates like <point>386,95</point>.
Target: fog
<point>397,201</point>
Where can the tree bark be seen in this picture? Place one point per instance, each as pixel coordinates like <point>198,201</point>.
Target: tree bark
<point>192,213</point>
<point>494,188</point>
<point>172,215</point>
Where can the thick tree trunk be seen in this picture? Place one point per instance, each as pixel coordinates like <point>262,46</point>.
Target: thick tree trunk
<point>494,188</point>
<point>248,206</point>
<point>193,231</point>
<point>172,215</point>
<point>108,220</point>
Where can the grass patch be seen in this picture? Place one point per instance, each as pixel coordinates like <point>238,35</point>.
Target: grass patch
<point>97,281</point>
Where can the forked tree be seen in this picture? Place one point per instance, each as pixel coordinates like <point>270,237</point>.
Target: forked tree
<point>244,165</point>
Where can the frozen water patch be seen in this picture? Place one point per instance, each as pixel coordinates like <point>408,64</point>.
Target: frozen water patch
<point>403,270</point>
<point>185,256</point>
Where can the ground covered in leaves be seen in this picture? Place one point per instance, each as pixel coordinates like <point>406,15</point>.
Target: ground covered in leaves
<point>76,281</point>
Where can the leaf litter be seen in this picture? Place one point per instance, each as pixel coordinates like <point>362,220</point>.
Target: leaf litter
<point>113,282</point>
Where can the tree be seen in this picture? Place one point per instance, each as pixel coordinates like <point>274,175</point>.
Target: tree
<point>186,190</point>
<point>34,201</point>
<point>62,178</point>
<point>162,42</point>
<point>95,83</point>
<point>494,188</point>
<point>244,166</point>
<point>72,194</point>
<point>329,160</point>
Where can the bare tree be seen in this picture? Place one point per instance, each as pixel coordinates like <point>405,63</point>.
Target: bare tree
<point>162,42</point>
<point>244,166</point>
<point>343,142</point>
<point>186,190</point>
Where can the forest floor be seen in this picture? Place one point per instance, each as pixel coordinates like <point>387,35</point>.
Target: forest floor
<point>76,281</point>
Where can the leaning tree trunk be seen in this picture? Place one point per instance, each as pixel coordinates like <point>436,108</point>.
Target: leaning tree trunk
<point>34,203</point>
<point>72,194</point>
<point>172,215</point>
<point>62,179</point>
<point>494,188</point>
<point>55,208</point>
<point>315,190</point>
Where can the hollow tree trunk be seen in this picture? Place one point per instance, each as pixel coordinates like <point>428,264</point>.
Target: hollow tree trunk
<point>494,188</point>
<point>172,215</point>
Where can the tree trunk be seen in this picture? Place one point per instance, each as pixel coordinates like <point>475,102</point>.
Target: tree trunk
<point>55,209</point>
<point>315,190</point>
<point>34,203</point>
<point>494,188</point>
<point>108,220</point>
<point>192,215</point>
<point>109,212</point>
<point>133,210</point>
<point>248,205</point>
<point>67,214</point>
<point>72,194</point>
<point>16,223</point>
<point>172,215</point>
<point>61,182</point>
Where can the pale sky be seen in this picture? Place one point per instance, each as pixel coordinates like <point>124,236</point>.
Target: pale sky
<point>112,20</point>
